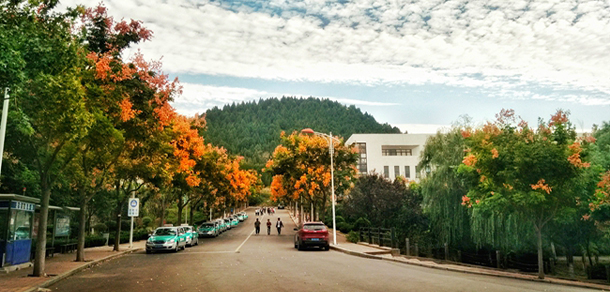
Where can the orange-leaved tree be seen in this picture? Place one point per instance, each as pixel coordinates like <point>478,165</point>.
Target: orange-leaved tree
<point>300,166</point>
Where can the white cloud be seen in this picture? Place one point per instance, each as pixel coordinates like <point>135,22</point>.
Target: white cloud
<point>489,44</point>
<point>197,98</point>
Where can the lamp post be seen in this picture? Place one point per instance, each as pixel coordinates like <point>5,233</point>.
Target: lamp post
<point>331,150</point>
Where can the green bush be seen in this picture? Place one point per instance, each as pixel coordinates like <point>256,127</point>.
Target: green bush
<point>344,227</point>
<point>100,227</point>
<point>361,222</point>
<point>146,221</point>
<point>597,271</point>
<point>353,236</point>
<point>94,240</point>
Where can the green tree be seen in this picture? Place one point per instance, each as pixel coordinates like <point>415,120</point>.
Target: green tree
<point>51,118</point>
<point>516,169</point>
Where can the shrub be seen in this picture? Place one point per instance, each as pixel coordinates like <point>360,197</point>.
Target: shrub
<point>146,221</point>
<point>100,227</point>
<point>597,271</point>
<point>344,227</point>
<point>353,236</point>
<point>361,222</point>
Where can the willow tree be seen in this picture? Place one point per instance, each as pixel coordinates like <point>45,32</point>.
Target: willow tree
<point>525,171</point>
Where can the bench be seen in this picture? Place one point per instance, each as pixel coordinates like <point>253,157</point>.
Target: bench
<point>68,247</point>
<point>49,252</point>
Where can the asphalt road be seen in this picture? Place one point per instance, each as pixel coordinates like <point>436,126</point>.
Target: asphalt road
<point>239,260</point>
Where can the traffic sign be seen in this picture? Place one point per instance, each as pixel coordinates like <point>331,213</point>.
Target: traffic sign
<point>134,207</point>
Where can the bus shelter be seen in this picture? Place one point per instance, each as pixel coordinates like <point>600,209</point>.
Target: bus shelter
<point>16,226</point>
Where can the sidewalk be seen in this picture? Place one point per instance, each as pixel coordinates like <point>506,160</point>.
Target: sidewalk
<point>61,266</point>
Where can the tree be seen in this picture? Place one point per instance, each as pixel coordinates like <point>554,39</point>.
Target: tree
<point>516,169</point>
<point>301,168</point>
<point>51,118</point>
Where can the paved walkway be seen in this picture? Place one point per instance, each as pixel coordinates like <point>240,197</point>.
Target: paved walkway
<point>376,252</point>
<point>59,267</point>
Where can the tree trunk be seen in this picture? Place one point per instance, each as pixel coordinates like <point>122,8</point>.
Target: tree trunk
<point>540,256</point>
<point>41,240</point>
<point>191,212</point>
<point>180,209</point>
<point>80,250</point>
<point>117,235</point>
<point>162,211</point>
<point>570,260</point>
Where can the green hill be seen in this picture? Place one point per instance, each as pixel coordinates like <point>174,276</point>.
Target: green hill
<point>252,129</point>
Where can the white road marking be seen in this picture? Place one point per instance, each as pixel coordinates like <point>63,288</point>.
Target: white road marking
<point>237,250</point>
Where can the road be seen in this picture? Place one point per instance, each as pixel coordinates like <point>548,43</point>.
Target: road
<point>239,260</point>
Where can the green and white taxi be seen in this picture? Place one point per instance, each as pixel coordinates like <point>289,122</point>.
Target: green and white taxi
<point>192,238</point>
<point>166,239</point>
<point>209,229</point>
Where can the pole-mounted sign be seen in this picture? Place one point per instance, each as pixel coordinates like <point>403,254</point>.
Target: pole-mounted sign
<point>134,207</point>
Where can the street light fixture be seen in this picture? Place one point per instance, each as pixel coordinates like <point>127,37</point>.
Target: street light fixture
<point>331,150</point>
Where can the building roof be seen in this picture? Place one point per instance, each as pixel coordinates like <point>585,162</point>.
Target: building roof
<point>15,197</point>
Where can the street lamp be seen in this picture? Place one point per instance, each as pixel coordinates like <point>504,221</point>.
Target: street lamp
<point>332,174</point>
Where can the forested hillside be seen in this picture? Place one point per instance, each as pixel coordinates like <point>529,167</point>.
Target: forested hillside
<point>252,129</point>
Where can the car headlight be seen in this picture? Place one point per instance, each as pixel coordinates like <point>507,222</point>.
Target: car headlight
<point>150,239</point>
<point>171,241</point>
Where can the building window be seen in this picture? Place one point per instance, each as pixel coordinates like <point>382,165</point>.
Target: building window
<point>396,171</point>
<point>407,171</point>
<point>388,150</point>
<point>417,172</point>
<point>362,168</point>
<point>386,171</point>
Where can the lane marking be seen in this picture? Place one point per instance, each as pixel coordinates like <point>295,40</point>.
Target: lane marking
<point>242,244</point>
<point>193,252</point>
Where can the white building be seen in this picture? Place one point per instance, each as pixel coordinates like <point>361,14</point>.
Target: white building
<point>389,154</point>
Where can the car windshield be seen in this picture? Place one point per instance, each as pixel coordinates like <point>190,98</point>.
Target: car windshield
<point>165,231</point>
<point>207,225</point>
<point>314,227</point>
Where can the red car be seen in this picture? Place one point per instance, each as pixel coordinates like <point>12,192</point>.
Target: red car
<point>311,234</point>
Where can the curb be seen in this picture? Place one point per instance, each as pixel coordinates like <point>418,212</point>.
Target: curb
<point>78,269</point>
<point>550,281</point>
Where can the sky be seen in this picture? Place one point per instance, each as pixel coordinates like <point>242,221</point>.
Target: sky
<point>417,65</point>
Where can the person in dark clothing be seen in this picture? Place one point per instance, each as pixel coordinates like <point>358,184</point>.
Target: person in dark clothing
<point>257,226</point>
<point>279,224</point>
<point>268,226</point>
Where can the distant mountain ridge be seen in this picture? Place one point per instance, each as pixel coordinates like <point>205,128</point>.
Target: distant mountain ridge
<point>252,129</point>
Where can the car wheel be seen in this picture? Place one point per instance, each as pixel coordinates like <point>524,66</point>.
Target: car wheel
<point>327,248</point>
<point>300,247</point>
<point>148,251</point>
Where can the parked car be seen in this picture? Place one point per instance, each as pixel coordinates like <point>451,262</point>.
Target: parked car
<point>245,215</point>
<point>208,229</point>
<point>166,239</point>
<point>241,217</point>
<point>311,234</point>
<point>280,206</point>
<point>192,238</point>
<point>234,221</point>
<point>228,223</point>
<point>222,225</point>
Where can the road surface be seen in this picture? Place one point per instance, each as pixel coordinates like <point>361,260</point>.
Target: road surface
<point>239,260</point>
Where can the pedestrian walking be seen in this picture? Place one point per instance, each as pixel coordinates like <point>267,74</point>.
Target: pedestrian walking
<point>256,212</point>
<point>279,224</point>
<point>257,226</point>
<point>268,226</point>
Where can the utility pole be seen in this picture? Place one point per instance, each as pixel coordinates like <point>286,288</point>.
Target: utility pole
<point>3,124</point>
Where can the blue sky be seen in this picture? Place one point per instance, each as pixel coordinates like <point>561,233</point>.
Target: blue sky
<point>418,65</point>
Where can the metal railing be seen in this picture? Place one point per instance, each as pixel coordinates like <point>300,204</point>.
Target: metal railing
<point>379,236</point>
